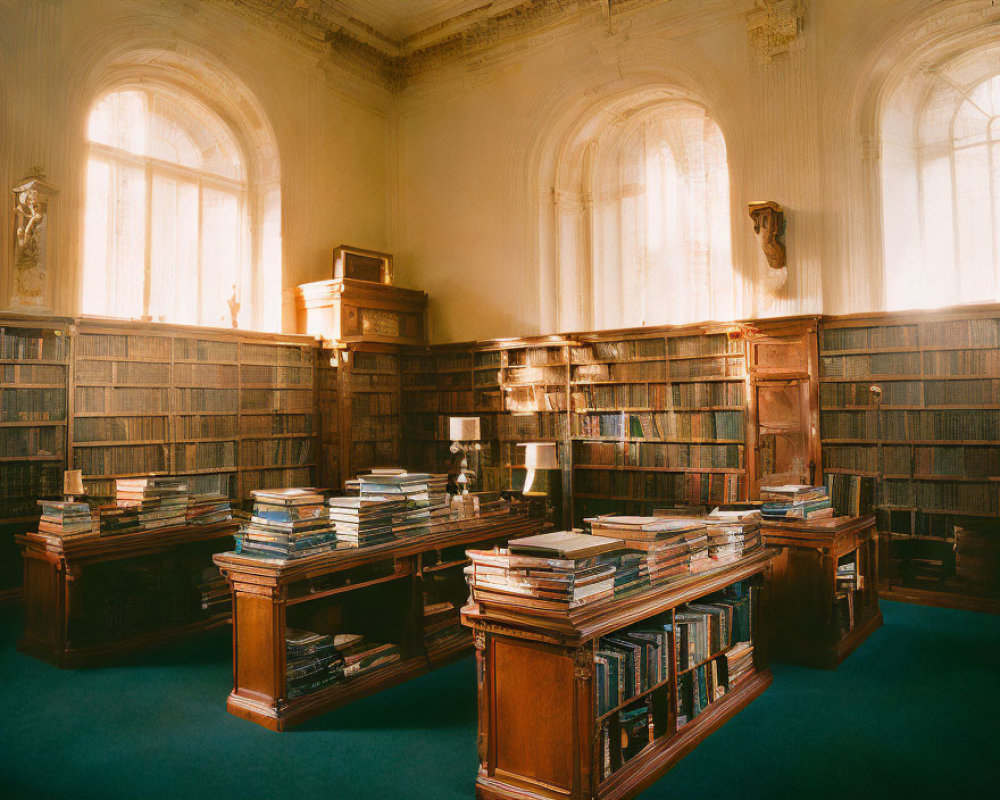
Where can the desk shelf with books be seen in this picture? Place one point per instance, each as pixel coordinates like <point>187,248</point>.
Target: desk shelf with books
<point>824,589</point>
<point>398,599</point>
<point>549,727</point>
<point>909,407</point>
<point>91,599</point>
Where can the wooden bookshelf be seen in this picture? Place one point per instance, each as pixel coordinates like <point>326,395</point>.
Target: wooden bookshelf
<point>380,592</point>
<point>818,620</point>
<point>34,381</point>
<point>930,449</point>
<point>230,411</point>
<point>88,601</point>
<point>540,731</point>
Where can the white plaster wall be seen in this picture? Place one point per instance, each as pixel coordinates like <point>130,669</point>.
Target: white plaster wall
<point>332,132</point>
<point>477,142</point>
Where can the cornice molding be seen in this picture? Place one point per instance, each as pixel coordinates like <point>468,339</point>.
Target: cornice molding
<point>479,37</point>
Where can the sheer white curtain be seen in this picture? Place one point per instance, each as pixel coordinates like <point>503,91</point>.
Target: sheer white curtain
<point>662,244</point>
<point>167,232</point>
<point>941,184</point>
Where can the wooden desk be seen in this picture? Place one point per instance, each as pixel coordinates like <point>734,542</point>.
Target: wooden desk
<point>539,731</point>
<point>808,627</point>
<point>376,591</point>
<point>89,600</point>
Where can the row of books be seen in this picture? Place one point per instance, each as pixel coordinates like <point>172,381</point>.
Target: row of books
<point>217,375</point>
<point>539,397</point>
<point>120,459</point>
<point>216,597</point>
<point>878,337</point>
<point>872,364</point>
<point>387,363</point>
<point>268,424</point>
<point>279,355</point>
<point>529,356</point>
<point>850,495</point>
<point>976,332</point>
<point>894,393</point>
<point>659,396</point>
<point>267,375</point>
<point>282,400</point>
<point>214,455</point>
<point>677,424</point>
<point>962,362</point>
<point>13,374</point>
<point>22,483</point>
<point>28,343</point>
<point>371,403</point>
<point>532,375</point>
<point>973,498</point>
<point>375,428</point>
<point>374,382</point>
<point>129,429</point>
<point>116,345</point>
<point>631,661</point>
<point>32,405</point>
<point>976,424</point>
<point>267,452</point>
<point>186,349</point>
<point>660,486</point>
<point>643,454</point>
<point>130,373</point>
<point>41,441</point>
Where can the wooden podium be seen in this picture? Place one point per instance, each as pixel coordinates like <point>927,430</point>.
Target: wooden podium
<point>812,626</point>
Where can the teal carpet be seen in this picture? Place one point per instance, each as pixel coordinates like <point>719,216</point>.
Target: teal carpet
<point>912,713</point>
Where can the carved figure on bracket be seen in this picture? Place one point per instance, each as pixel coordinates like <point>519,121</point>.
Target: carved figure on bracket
<point>32,207</point>
<point>769,223</point>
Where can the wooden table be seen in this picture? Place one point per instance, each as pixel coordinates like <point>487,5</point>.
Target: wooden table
<point>377,591</point>
<point>88,600</point>
<point>808,628</point>
<point>539,731</point>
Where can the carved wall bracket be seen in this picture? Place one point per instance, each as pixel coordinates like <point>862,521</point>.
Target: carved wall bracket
<point>769,223</point>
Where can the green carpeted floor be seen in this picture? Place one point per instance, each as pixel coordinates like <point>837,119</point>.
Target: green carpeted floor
<point>911,713</point>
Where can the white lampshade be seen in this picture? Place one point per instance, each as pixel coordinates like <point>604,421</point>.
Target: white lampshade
<point>540,455</point>
<point>464,429</point>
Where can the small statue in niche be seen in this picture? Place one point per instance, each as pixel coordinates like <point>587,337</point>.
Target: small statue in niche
<point>234,307</point>
<point>769,223</point>
<point>30,265</point>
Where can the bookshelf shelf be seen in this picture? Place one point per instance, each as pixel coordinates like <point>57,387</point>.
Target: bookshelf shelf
<point>645,693</point>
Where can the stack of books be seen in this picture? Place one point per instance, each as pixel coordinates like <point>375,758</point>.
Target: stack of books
<point>739,662</point>
<point>312,662</point>
<point>215,595</point>
<point>438,500</point>
<point>115,520</point>
<point>731,534</point>
<point>555,571</point>
<point>795,502</point>
<point>442,626</point>
<point>287,524</point>
<point>65,520</point>
<point>161,502</point>
<point>364,521</point>
<point>361,655</point>
<point>208,508</point>
<point>415,518</point>
<point>671,547</point>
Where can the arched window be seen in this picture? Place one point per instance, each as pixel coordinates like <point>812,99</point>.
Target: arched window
<point>644,211</point>
<point>167,224</point>
<point>941,184</point>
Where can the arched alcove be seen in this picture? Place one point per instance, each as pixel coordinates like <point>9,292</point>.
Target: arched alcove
<point>640,213</point>
<point>189,75</point>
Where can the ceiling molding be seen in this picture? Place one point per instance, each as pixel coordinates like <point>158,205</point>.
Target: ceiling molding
<point>329,30</point>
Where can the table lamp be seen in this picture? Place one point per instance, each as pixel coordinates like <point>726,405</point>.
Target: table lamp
<point>465,435</point>
<point>538,455</point>
<point>73,485</point>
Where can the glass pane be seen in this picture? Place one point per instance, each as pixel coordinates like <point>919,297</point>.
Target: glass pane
<point>973,220</point>
<point>95,238</point>
<point>221,249</point>
<point>128,259</point>
<point>119,121</point>
<point>174,256</point>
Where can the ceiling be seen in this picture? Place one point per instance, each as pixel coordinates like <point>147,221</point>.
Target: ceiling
<point>399,20</point>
